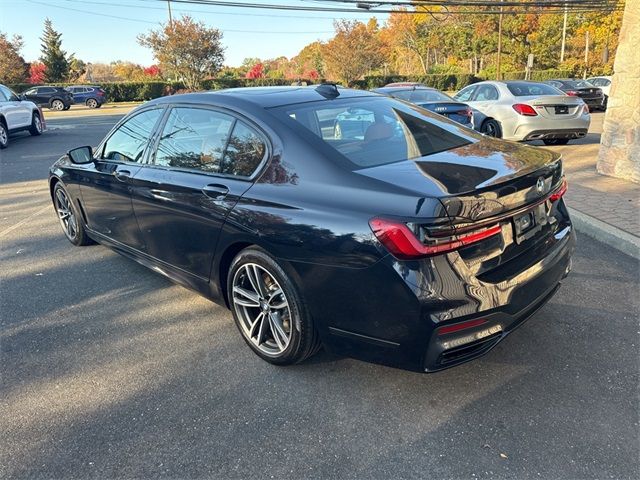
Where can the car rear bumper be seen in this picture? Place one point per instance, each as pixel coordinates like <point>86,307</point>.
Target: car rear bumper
<point>392,314</point>
<point>556,133</point>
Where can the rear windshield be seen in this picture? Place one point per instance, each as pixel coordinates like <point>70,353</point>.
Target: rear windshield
<point>524,89</point>
<point>376,130</point>
<point>419,96</point>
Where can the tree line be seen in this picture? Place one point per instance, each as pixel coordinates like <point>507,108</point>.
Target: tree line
<point>413,45</point>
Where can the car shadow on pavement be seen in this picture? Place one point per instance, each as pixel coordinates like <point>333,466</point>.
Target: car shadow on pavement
<point>145,379</point>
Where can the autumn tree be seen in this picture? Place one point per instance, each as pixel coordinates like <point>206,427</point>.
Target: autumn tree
<point>353,51</point>
<point>187,50</point>
<point>37,73</point>
<point>257,71</point>
<point>13,68</point>
<point>53,57</point>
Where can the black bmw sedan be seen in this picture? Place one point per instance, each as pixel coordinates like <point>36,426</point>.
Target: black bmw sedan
<point>418,243</point>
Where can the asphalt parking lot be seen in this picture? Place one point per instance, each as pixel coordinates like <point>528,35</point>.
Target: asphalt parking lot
<point>109,370</point>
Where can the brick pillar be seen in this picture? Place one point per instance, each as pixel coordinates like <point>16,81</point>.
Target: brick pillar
<point>620,144</point>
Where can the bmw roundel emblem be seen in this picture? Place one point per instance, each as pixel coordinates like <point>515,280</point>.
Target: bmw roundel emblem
<point>540,185</point>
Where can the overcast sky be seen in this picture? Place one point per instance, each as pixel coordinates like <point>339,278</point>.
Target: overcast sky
<point>103,30</point>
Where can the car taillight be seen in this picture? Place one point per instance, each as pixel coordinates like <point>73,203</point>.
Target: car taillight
<point>557,195</point>
<point>404,245</point>
<point>465,113</point>
<point>524,109</point>
<point>571,93</point>
<point>100,93</point>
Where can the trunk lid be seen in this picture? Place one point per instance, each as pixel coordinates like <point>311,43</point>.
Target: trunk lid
<point>555,107</point>
<point>454,110</point>
<point>485,185</point>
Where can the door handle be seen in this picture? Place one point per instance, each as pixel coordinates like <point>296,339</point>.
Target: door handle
<point>215,191</point>
<point>122,175</point>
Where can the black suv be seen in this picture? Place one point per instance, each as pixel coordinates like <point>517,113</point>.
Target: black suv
<point>56,98</point>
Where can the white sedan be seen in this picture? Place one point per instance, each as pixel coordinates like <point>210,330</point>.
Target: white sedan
<point>522,110</point>
<point>17,115</point>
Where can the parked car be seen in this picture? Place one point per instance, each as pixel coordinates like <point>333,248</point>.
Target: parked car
<point>431,99</point>
<point>604,84</point>
<point>421,245</point>
<point>17,115</point>
<point>590,94</point>
<point>92,96</point>
<point>56,98</point>
<point>522,110</point>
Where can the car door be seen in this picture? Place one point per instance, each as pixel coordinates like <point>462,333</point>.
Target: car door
<point>485,98</point>
<point>203,163</point>
<point>105,183</point>
<point>16,112</point>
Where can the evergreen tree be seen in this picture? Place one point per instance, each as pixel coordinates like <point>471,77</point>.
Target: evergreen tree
<point>53,57</point>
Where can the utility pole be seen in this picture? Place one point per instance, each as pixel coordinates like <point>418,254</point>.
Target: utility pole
<point>586,54</point>
<point>498,74</point>
<point>170,19</point>
<point>564,34</point>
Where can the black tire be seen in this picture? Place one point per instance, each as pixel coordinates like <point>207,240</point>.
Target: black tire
<point>555,141</point>
<point>57,105</point>
<point>67,107</point>
<point>36,125</point>
<point>491,128</point>
<point>92,103</point>
<point>79,235</point>
<point>4,135</point>
<point>303,338</point>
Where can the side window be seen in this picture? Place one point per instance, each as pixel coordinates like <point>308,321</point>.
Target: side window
<point>45,90</point>
<point>31,91</point>
<point>465,94</point>
<point>486,92</point>
<point>128,142</point>
<point>245,151</point>
<point>10,94</point>
<point>3,97</point>
<point>605,82</point>
<point>194,138</point>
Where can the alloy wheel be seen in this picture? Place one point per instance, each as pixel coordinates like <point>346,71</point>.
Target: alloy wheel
<point>263,309</point>
<point>57,105</point>
<point>37,123</point>
<point>91,103</point>
<point>65,214</point>
<point>4,136</point>
<point>490,129</point>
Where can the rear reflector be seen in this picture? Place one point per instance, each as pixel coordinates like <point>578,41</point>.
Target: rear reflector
<point>403,244</point>
<point>524,109</point>
<point>571,93</point>
<point>461,326</point>
<point>557,195</point>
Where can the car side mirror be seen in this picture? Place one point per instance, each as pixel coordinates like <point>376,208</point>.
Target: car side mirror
<point>81,155</point>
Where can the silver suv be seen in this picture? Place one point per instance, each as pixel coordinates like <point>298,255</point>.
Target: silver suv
<point>17,115</point>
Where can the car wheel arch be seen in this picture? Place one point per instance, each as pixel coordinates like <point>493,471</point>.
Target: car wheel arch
<point>232,250</point>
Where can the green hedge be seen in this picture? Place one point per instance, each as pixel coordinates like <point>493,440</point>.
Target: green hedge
<point>538,75</point>
<point>453,81</point>
<point>140,91</point>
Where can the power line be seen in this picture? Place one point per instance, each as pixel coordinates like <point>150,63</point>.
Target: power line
<point>481,6</point>
<point>224,30</point>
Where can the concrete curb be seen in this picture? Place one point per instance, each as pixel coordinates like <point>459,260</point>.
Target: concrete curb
<point>602,231</point>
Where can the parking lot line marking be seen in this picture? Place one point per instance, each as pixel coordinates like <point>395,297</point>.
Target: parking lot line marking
<point>22,222</point>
